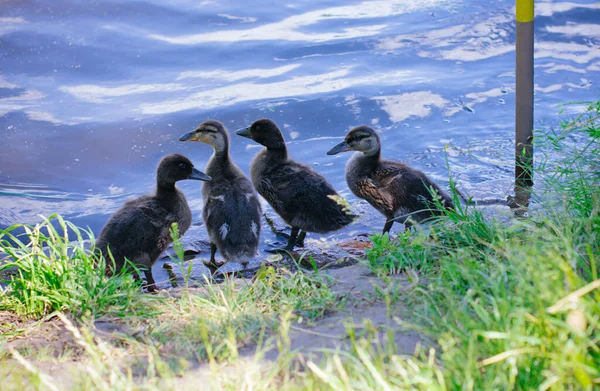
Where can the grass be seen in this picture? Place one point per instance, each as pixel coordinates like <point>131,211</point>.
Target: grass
<point>50,273</point>
<point>576,143</point>
<point>173,331</point>
<point>514,306</point>
<point>216,321</point>
<point>502,305</point>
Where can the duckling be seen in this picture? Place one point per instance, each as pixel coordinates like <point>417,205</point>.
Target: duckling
<point>302,198</point>
<point>139,231</point>
<point>232,211</point>
<point>399,192</point>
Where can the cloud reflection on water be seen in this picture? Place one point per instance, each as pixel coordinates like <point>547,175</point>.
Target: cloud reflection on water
<point>577,29</point>
<point>578,53</point>
<point>41,202</point>
<point>494,37</point>
<point>296,86</point>
<point>98,94</point>
<point>465,42</point>
<point>232,75</point>
<point>23,99</point>
<point>549,8</point>
<point>288,29</point>
<point>10,24</point>
<point>401,107</point>
<point>45,116</point>
<point>488,37</point>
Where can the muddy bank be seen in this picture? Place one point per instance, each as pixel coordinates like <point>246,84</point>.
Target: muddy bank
<point>361,308</point>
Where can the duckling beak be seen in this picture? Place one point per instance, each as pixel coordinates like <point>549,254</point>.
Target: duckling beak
<point>245,132</point>
<point>189,136</point>
<point>341,147</point>
<point>199,175</point>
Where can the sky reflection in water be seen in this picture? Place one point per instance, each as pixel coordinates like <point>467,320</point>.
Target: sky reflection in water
<point>92,95</point>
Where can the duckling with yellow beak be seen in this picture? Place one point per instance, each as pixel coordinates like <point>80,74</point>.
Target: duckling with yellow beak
<point>232,211</point>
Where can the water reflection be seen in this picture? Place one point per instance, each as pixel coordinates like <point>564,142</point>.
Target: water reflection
<point>288,29</point>
<point>490,38</point>
<point>576,30</point>
<point>418,104</point>
<point>578,53</point>
<point>31,201</point>
<point>549,8</point>
<point>15,98</point>
<point>295,86</point>
<point>92,95</point>
<point>233,75</point>
<point>97,94</point>
<point>553,68</point>
<point>9,24</point>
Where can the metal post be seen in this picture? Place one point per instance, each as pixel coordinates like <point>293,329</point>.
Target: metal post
<point>524,104</point>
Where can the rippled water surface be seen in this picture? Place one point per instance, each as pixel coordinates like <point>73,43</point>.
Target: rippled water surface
<point>93,93</point>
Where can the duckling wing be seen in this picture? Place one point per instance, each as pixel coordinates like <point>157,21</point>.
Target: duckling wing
<point>155,215</point>
<point>138,213</point>
<point>140,226</point>
<point>269,187</point>
<point>286,184</point>
<point>232,215</point>
<point>214,196</point>
<point>377,194</point>
<point>301,197</point>
<point>407,188</point>
<point>387,174</point>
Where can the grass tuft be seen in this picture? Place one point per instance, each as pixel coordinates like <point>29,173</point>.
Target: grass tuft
<point>47,273</point>
<point>514,305</point>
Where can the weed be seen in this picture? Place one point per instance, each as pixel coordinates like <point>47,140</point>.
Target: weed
<point>50,273</point>
<point>514,306</point>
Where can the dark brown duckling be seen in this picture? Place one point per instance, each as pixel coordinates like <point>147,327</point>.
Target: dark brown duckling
<point>232,211</point>
<point>401,193</point>
<point>302,197</point>
<point>139,231</point>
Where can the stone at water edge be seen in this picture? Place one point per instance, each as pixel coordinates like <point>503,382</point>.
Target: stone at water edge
<point>275,258</point>
<point>357,245</point>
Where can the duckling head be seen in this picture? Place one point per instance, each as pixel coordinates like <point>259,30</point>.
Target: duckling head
<point>210,132</point>
<point>265,132</point>
<point>175,167</point>
<point>362,139</point>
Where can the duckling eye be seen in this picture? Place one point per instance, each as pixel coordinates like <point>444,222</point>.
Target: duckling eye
<point>182,165</point>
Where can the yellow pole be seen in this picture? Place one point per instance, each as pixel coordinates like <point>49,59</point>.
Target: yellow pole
<point>524,104</point>
<point>524,11</point>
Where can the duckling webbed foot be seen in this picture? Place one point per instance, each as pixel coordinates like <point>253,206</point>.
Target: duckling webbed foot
<point>300,240</point>
<point>150,283</point>
<point>212,264</point>
<point>290,244</point>
<point>387,226</point>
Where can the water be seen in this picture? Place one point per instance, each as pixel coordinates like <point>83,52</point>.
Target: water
<point>93,94</point>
